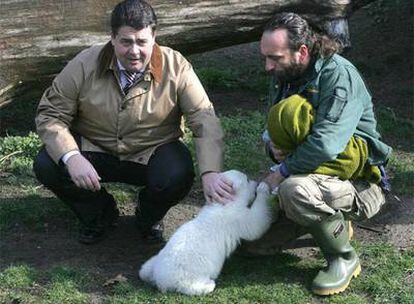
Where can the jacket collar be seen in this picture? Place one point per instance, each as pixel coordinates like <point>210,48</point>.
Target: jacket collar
<point>107,61</point>
<point>155,65</point>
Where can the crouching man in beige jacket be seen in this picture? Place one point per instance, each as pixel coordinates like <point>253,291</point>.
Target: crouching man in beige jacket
<point>115,114</point>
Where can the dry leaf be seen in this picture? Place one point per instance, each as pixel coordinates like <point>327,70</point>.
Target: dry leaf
<point>118,279</point>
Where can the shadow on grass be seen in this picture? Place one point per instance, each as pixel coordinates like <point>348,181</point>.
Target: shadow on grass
<point>33,213</point>
<point>55,244</point>
<point>282,268</point>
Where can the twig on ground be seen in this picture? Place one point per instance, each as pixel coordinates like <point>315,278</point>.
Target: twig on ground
<point>377,230</point>
<point>9,155</point>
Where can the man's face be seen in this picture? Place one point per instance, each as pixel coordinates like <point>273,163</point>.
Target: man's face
<point>133,48</point>
<point>286,65</point>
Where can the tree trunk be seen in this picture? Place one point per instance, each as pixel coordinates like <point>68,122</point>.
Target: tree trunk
<point>37,37</point>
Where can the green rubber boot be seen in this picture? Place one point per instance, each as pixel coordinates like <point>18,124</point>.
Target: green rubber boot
<point>332,236</point>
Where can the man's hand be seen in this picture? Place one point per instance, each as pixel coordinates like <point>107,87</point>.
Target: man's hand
<point>82,173</point>
<point>274,179</point>
<point>216,188</point>
<point>278,154</point>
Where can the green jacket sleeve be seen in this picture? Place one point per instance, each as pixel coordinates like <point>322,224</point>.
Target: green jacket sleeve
<point>338,112</point>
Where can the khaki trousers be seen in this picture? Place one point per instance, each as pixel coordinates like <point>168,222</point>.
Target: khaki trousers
<point>307,199</point>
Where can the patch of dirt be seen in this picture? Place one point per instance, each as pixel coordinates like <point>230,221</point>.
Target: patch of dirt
<point>122,252</point>
<point>394,224</point>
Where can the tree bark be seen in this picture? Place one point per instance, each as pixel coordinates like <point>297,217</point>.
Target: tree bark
<point>37,37</point>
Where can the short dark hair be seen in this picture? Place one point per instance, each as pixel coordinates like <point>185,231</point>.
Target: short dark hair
<point>300,33</point>
<point>134,13</point>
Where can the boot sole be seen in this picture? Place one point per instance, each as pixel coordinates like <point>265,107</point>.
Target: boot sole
<point>332,291</point>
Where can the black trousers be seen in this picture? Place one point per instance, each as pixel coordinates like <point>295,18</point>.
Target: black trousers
<point>166,179</point>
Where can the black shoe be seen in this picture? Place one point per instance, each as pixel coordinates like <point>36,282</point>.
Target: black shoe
<point>93,235</point>
<point>153,234</point>
<point>150,230</point>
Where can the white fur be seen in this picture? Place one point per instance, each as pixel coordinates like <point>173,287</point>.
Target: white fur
<point>193,257</point>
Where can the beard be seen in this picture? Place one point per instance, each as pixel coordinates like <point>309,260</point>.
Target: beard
<point>290,73</point>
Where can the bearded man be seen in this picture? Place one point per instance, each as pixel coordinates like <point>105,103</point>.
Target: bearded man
<point>321,122</point>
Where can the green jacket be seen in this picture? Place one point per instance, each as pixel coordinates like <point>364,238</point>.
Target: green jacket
<point>343,107</point>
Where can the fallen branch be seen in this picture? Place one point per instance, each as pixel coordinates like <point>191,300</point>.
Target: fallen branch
<point>9,155</point>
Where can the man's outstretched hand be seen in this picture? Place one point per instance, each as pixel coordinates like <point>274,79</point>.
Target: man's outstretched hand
<point>82,173</point>
<point>216,188</point>
<point>274,179</point>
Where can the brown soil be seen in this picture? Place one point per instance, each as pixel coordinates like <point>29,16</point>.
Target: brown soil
<point>123,251</point>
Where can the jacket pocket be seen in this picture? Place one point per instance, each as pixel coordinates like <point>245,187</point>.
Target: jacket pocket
<point>339,100</point>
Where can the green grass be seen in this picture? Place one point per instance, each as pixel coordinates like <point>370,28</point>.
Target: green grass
<point>16,283</point>
<point>400,133</point>
<point>390,125</point>
<point>65,286</point>
<point>387,277</point>
<point>17,277</point>
<point>243,146</point>
<point>402,171</point>
<point>222,71</point>
<point>24,284</point>
<point>252,78</point>
<point>17,153</point>
<point>218,78</point>
<point>122,193</point>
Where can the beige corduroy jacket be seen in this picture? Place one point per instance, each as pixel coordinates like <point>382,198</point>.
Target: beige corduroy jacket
<point>86,99</point>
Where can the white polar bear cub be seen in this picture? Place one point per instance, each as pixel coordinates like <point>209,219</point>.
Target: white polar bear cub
<point>195,254</point>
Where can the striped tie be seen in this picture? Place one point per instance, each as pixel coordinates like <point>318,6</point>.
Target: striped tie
<point>130,78</point>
